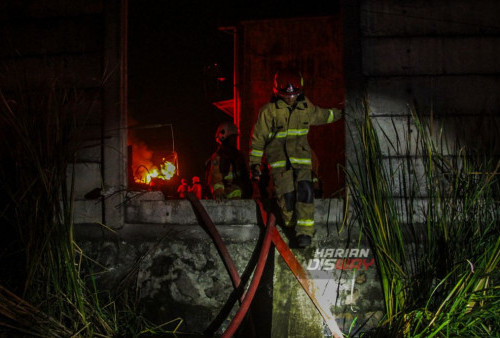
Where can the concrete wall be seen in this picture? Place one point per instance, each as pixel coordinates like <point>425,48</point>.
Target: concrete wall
<point>78,44</point>
<point>433,59</point>
<point>436,58</point>
<point>177,272</point>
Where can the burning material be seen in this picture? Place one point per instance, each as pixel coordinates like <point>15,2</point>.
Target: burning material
<point>168,169</point>
<point>166,172</point>
<point>147,167</point>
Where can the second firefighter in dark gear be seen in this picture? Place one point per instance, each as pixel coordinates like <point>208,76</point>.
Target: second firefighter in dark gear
<point>280,134</point>
<point>228,175</point>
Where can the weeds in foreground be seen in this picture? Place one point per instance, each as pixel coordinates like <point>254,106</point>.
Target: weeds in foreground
<point>43,289</point>
<point>432,221</point>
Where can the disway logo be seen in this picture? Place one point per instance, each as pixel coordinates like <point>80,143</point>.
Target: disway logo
<point>340,259</point>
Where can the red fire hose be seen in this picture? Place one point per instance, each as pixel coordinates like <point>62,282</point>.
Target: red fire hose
<point>271,235</point>
<point>259,269</point>
<point>226,257</point>
<point>221,247</point>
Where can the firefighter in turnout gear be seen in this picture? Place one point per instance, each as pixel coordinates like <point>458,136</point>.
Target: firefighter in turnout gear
<point>228,176</point>
<point>280,134</point>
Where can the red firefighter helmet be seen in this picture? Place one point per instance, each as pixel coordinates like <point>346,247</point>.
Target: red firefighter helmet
<point>288,83</point>
<point>224,130</point>
<point>196,179</point>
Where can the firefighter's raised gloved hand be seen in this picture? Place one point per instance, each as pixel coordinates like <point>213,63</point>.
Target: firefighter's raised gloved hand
<point>219,195</point>
<point>255,172</point>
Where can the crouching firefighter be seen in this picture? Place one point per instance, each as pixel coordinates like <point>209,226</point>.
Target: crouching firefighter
<point>280,133</point>
<point>228,176</point>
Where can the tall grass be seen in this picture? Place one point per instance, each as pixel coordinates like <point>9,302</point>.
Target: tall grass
<point>439,270</point>
<point>44,290</point>
<point>39,145</point>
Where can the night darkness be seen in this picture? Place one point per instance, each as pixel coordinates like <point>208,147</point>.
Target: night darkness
<point>83,255</point>
<point>172,49</point>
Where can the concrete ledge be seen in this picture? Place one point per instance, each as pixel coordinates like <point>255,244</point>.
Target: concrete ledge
<point>152,208</point>
<point>150,217</point>
<point>133,233</point>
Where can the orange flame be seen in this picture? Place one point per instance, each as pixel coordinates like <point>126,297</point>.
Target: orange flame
<point>166,172</point>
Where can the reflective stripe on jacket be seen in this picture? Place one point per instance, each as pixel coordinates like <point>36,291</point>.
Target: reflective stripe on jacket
<point>281,133</point>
